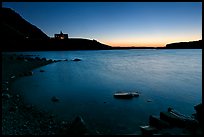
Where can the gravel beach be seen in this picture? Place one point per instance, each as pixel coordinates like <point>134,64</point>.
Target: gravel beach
<point>19,118</point>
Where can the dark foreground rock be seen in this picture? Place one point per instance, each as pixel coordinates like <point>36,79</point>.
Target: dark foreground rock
<point>158,123</point>
<point>173,122</point>
<point>199,113</point>
<point>78,127</point>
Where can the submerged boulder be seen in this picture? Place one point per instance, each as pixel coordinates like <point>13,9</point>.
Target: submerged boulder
<point>54,99</point>
<point>42,70</point>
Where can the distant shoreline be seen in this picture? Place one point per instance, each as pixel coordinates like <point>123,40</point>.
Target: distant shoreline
<point>112,48</point>
<point>84,44</point>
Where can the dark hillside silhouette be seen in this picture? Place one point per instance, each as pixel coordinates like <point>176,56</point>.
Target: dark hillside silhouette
<point>185,45</point>
<point>19,35</point>
<point>14,21</point>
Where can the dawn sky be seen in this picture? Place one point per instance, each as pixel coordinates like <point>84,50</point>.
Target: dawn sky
<point>117,23</point>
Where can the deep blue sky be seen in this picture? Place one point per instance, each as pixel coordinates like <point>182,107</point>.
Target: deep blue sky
<point>117,23</point>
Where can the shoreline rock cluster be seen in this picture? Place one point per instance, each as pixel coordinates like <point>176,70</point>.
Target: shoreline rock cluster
<point>173,122</point>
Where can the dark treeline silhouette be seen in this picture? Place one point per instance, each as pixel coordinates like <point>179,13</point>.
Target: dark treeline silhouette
<point>17,34</point>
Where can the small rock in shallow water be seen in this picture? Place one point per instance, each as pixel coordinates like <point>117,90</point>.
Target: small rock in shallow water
<point>6,96</point>
<point>76,59</point>
<point>6,82</point>
<point>12,77</point>
<point>149,100</point>
<point>17,95</point>
<point>42,70</point>
<point>55,99</point>
<point>63,123</point>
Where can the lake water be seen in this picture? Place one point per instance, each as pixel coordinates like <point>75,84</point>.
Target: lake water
<point>170,78</point>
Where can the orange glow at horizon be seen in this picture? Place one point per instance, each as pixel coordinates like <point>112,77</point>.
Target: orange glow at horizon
<point>153,42</point>
<point>136,44</point>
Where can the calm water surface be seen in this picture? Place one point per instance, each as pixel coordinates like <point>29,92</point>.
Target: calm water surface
<point>167,77</point>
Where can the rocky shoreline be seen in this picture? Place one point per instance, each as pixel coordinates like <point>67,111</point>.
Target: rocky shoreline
<point>19,118</point>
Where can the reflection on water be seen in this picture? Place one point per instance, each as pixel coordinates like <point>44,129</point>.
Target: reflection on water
<point>86,88</point>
